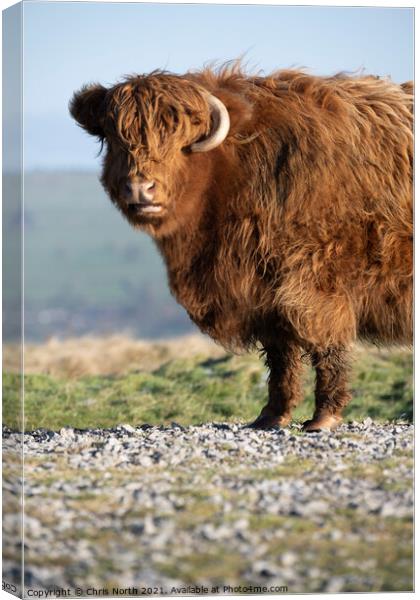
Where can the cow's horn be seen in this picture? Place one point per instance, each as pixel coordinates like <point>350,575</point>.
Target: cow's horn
<point>220,126</point>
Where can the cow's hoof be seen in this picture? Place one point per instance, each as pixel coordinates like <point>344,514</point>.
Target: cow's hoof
<point>268,422</point>
<point>329,422</point>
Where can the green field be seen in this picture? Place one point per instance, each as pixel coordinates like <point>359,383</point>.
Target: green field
<point>86,269</point>
<point>160,387</point>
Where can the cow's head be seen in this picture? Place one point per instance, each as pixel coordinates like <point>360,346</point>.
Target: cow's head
<point>158,131</point>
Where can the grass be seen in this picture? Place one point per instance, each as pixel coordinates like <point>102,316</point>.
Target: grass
<point>100,383</point>
<point>190,383</point>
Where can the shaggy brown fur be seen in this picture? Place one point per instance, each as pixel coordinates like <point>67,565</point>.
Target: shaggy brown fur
<point>295,234</point>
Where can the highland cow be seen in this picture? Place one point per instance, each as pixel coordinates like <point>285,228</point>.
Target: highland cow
<point>282,206</point>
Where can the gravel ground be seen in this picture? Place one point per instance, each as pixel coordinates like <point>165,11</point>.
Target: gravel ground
<point>215,505</point>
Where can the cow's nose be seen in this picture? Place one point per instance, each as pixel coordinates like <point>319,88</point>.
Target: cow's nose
<point>139,191</point>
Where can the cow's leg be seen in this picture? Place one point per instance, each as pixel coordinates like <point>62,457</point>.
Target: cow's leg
<point>284,390</point>
<point>331,393</point>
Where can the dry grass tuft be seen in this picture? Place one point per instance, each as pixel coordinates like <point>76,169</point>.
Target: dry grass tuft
<point>113,355</point>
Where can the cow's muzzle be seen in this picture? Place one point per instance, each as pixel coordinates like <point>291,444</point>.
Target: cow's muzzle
<point>139,191</point>
<point>139,196</point>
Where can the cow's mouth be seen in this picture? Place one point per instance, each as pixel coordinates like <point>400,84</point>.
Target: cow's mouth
<point>145,208</point>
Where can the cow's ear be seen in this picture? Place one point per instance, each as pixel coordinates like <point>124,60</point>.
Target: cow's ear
<point>87,107</point>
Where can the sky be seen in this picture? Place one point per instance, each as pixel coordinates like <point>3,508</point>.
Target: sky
<point>68,44</point>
